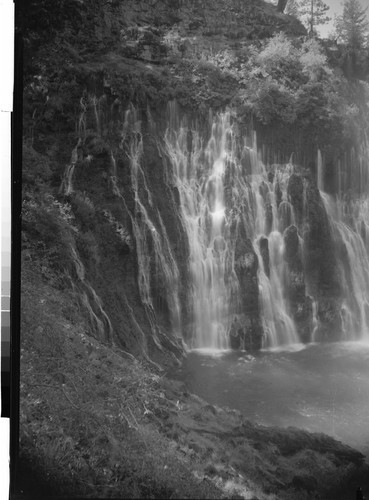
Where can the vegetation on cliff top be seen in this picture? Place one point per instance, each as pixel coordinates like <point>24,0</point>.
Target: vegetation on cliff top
<point>148,57</point>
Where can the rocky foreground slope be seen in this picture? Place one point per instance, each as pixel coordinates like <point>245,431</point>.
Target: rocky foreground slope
<point>97,423</point>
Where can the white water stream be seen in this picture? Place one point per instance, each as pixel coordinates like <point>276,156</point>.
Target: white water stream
<point>200,170</point>
<point>227,195</point>
<point>350,224</point>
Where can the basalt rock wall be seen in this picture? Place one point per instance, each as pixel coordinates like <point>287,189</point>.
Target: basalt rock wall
<point>98,103</point>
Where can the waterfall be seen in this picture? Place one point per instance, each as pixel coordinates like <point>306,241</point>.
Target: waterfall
<point>99,319</point>
<point>66,186</point>
<point>273,216</point>
<point>198,174</point>
<point>157,267</point>
<point>236,209</point>
<point>222,185</point>
<point>350,219</point>
<point>244,224</point>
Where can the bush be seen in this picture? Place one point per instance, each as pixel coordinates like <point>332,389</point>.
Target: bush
<point>273,102</point>
<point>84,210</point>
<point>47,233</point>
<point>36,171</point>
<point>313,61</point>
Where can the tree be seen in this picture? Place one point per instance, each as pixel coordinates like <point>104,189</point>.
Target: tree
<point>352,26</point>
<point>281,5</point>
<point>310,12</point>
<point>292,8</point>
<point>352,32</point>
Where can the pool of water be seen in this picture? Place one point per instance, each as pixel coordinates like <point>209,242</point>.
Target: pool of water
<point>317,387</point>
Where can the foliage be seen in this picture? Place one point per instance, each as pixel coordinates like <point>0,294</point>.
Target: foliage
<point>279,60</point>
<point>273,101</point>
<point>352,25</point>
<point>88,413</point>
<point>352,31</point>
<point>278,79</point>
<point>48,229</point>
<point>36,172</point>
<point>292,8</point>
<point>83,210</point>
<point>96,422</point>
<point>40,20</point>
<point>314,61</point>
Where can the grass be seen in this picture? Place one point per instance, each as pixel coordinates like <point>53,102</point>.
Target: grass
<point>88,423</point>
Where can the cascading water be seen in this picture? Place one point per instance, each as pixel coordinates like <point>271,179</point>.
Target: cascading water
<point>237,215</point>
<point>100,321</point>
<point>209,204</point>
<point>272,218</point>
<point>66,186</point>
<point>350,222</point>
<point>198,174</point>
<point>154,254</point>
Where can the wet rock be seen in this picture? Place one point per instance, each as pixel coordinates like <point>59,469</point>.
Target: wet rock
<point>219,244</point>
<point>264,250</point>
<point>295,191</point>
<point>299,303</point>
<point>235,334</point>
<point>268,218</point>
<point>246,268</point>
<point>264,190</point>
<point>329,319</point>
<point>285,215</point>
<point>278,194</point>
<point>246,162</point>
<point>292,247</point>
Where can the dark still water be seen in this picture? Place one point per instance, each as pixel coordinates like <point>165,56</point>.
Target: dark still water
<point>318,387</point>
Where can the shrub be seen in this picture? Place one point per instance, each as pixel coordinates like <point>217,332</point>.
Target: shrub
<point>314,61</point>
<point>83,210</point>
<point>36,170</point>
<point>273,102</point>
<point>48,229</point>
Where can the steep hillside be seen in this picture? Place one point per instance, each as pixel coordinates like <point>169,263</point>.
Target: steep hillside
<point>97,423</point>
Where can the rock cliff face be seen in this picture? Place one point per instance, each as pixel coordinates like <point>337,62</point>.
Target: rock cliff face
<point>165,221</point>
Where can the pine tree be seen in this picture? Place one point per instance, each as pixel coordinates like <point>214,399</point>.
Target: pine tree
<point>352,32</point>
<point>292,8</point>
<point>352,26</point>
<point>281,5</point>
